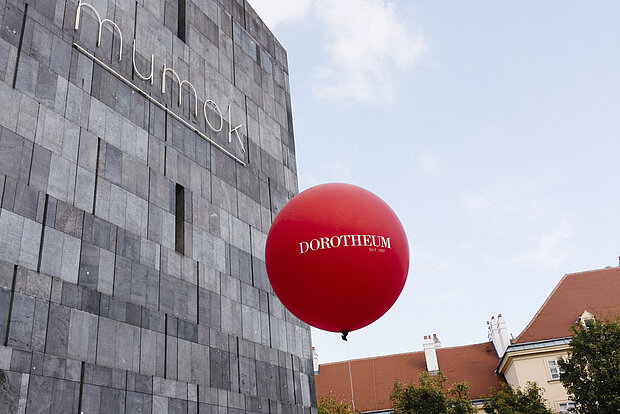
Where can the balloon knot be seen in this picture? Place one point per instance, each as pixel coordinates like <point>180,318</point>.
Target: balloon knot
<point>344,335</point>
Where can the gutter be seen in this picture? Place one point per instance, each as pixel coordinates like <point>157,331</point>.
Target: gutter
<point>545,343</point>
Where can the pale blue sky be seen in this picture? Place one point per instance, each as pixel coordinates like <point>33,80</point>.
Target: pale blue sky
<point>491,128</point>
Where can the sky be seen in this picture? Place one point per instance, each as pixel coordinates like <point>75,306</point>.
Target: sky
<point>491,128</point>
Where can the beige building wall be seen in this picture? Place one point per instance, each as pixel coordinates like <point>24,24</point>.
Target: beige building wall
<point>479,409</point>
<point>522,367</point>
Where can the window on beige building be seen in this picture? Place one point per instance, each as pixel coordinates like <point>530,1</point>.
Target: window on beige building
<point>554,369</point>
<point>567,407</point>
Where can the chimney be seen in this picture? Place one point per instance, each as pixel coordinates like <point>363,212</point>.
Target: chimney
<point>498,334</point>
<point>502,330</point>
<point>315,361</point>
<point>431,343</point>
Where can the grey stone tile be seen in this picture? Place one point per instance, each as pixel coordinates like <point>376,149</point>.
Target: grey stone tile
<point>26,201</point>
<point>112,400</point>
<point>69,219</point>
<point>45,89</point>
<point>231,316</point>
<point>39,324</point>
<point>27,121</point>
<point>88,148</point>
<point>50,131</point>
<point>171,357</point>
<point>8,96</point>
<point>65,396</point>
<point>113,164</point>
<point>13,150</point>
<point>247,376</point>
<point>21,322</point>
<point>84,189</point>
<point>251,323</point>
<point>40,393</point>
<point>106,342</point>
<point>41,159</point>
<point>58,330</point>
<point>91,398</point>
<point>138,403</point>
<point>70,142</point>
<point>33,284</point>
<point>152,350</point>
<point>20,361</point>
<point>122,279</point>
<point>98,375</point>
<point>82,336</point>
<point>127,347</point>
<point>97,118</point>
<point>60,98</point>
<point>56,294</point>
<point>184,361</point>
<point>30,244</point>
<point>61,183</point>
<point>89,266</point>
<point>73,370</point>
<point>84,72</point>
<point>54,367</point>
<point>51,257</point>
<point>105,281</point>
<point>60,57</point>
<point>27,70</point>
<point>219,369</point>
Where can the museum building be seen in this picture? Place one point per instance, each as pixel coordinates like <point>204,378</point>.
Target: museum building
<point>145,148</point>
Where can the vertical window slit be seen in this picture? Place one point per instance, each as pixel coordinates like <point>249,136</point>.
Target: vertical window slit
<point>79,410</point>
<point>179,229</point>
<point>181,21</point>
<point>9,316</point>
<point>19,45</point>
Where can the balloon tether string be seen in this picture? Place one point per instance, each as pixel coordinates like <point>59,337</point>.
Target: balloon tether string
<point>344,334</point>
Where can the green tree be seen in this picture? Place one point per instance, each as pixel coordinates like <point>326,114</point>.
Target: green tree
<point>592,370</point>
<point>459,399</point>
<point>511,401</point>
<point>329,404</point>
<point>429,397</point>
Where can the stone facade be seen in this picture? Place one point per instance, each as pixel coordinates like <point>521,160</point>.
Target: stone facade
<point>132,228</point>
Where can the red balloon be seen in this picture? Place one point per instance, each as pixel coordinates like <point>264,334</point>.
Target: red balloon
<point>337,257</point>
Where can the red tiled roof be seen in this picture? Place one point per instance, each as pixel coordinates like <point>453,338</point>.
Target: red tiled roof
<point>597,291</point>
<point>373,378</point>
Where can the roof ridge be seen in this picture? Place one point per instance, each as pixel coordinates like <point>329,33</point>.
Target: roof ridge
<point>518,338</point>
<point>594,270</point>
<point>403,353</point>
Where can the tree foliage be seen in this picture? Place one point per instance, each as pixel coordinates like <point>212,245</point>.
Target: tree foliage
<point>329,404</point>
<point>429,397</point>
<point>592,370</point>
<point>516,401</point>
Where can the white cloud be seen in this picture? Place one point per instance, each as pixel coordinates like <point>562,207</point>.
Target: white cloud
<point>549,250</point>
<point>368,46</point>
<point>427,262</point>
<point>427,163</point>
<point>477,202</point>
<point>274,13</point>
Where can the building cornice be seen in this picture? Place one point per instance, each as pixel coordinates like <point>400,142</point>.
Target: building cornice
<point>532,348</point>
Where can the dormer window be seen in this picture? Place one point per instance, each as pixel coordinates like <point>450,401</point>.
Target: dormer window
<point>585,316</point>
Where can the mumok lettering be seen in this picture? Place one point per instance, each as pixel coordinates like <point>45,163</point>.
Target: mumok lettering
<point>219,121</point>
<point>347,240</point>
